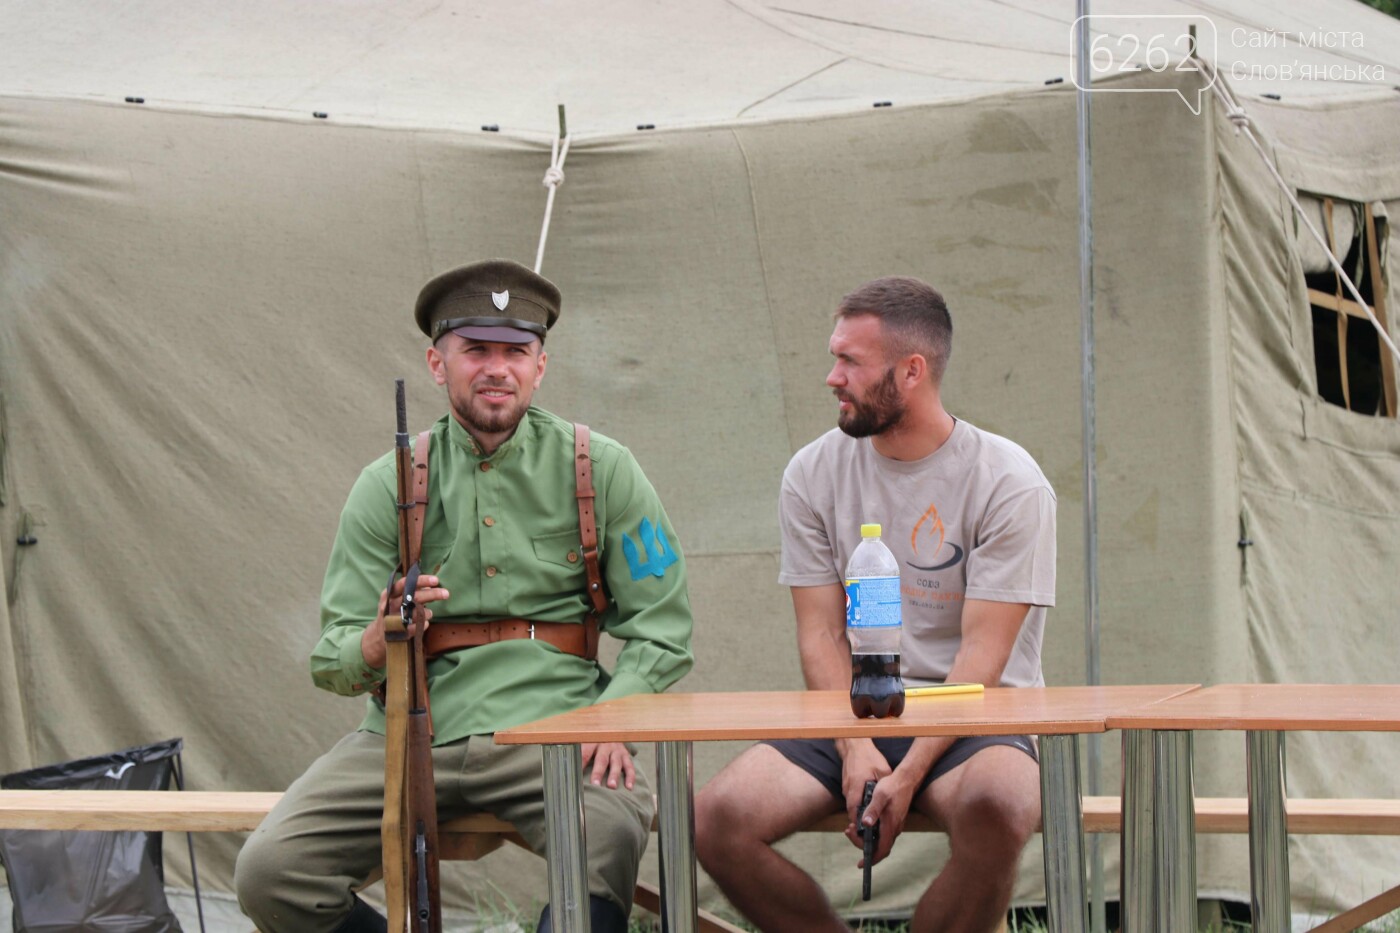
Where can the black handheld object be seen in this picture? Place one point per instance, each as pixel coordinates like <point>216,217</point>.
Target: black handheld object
<point>410,594</point>
<point>870,835</point>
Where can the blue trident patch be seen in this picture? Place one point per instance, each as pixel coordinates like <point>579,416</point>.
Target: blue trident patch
<point>655,548</point>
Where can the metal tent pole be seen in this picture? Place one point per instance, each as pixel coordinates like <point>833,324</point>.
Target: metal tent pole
<point>1098,919</point>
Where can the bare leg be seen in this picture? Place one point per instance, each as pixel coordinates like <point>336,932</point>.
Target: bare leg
<point>759,798</point>
<point>990,806</point>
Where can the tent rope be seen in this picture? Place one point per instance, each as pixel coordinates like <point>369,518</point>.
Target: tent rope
<point>553,178</point>
<point>1236,115</point>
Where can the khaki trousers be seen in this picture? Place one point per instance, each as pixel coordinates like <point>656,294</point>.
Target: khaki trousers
<point>297,870</point>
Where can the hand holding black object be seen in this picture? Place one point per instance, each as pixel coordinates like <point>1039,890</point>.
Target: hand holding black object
<point>870,835</point>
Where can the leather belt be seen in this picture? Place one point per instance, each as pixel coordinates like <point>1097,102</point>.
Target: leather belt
<point>576,638</point>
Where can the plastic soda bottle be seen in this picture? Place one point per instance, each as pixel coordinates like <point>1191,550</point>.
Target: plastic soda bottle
<point>873,626</point>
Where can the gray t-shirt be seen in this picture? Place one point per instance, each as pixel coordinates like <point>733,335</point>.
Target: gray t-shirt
<point>974,519</point>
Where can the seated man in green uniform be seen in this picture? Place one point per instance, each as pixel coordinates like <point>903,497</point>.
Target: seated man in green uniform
<point>501,540</point>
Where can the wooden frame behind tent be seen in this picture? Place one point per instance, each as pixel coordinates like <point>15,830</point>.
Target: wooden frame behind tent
<point>1345,308</point>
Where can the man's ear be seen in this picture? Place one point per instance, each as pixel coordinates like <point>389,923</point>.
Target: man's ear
<point>913,369</point>
<point>437,365</point>
<point>539,369</point>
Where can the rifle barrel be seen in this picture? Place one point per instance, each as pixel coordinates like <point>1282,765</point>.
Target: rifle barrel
<point>401,406</point>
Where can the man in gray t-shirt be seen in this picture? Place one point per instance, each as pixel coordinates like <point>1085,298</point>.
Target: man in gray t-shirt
<point>971,520</point>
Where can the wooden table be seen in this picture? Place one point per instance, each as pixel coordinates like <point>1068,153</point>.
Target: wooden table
<point>676,720</point>
<point>1157,788</point>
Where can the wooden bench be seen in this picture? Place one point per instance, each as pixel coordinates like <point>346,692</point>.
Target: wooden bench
<point>471,837</point>
<point>235,811</point>
<point>462,839</point>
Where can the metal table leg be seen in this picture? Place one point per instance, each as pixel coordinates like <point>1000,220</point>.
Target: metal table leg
<point>675,790</point>
<point>1268,833</point>
<point>1174,817</point>
<point>564,838</point>
<point>1062,820</point>
<point>1135,888</point>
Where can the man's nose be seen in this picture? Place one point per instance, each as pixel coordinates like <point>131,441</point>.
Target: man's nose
<point>833,379</point>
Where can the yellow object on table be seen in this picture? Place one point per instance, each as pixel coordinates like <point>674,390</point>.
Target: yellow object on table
<point>938,690</point>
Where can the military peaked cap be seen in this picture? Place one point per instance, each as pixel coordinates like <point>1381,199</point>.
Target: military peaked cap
<point>497,300</point>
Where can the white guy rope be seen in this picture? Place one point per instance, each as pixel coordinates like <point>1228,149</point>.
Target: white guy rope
<point>1236,115</point>
<point>553,178</point>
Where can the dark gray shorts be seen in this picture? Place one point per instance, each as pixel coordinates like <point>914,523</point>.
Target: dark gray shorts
<point>819,758</point>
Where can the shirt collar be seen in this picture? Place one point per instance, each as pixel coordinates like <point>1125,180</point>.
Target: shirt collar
<point>463,438</point>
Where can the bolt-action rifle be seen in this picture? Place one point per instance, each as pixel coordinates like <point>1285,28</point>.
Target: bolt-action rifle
<point>409,831</point>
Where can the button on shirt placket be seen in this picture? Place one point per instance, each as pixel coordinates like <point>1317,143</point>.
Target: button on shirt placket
<point>493,548</point>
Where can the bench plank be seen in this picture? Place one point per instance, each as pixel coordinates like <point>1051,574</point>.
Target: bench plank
<point>153,810</point>
<point>1317,817</point>
<point>233,811</point>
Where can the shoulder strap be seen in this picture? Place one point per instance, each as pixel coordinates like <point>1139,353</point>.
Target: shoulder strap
<point>420,498</point>
<point>588,521</point>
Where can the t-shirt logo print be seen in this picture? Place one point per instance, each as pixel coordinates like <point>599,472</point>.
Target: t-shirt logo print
<point>655,549</point>
<point>932,527</point>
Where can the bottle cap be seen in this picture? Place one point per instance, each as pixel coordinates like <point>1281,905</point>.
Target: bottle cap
<point>870,531</point>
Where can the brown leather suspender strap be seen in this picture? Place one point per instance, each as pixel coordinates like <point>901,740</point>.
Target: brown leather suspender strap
<point>588,527</point>
<point>446,635</point>
<point>587,520</point>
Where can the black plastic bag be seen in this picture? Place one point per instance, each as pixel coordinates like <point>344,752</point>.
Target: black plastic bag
<point>81,881</point>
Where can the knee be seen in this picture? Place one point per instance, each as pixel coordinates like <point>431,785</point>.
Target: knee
<point>618,822</point>
<point>705,820</point>
<point>256,873</point>
<point>719,823</point>
<point>996,823</point>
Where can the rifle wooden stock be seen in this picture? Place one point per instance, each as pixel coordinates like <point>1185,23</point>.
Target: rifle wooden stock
<point>409,829</point>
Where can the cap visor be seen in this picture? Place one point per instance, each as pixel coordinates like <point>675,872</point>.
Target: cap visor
<point>496,334</point>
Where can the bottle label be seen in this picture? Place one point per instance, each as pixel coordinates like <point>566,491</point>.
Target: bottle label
<point>873,602</point>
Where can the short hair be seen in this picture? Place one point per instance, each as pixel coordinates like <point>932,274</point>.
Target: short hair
<point>914,315</point>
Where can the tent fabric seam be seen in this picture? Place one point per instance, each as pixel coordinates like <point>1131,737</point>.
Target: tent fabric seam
<point>763,271</point>
<point>1295,495</point>
<point>789,86</point>
<point>1012,90</point>
<point>765,16</point>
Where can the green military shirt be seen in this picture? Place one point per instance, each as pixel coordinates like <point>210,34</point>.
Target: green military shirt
<point>502,535</point>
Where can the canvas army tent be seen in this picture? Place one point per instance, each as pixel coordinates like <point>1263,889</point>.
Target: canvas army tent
<point>204,299</point>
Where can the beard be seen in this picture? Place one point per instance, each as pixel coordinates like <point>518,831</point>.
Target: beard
<point>477,415</point>
<point>879,411</point>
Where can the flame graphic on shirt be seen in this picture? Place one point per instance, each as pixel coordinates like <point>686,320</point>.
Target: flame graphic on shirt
<point>935,529</point>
